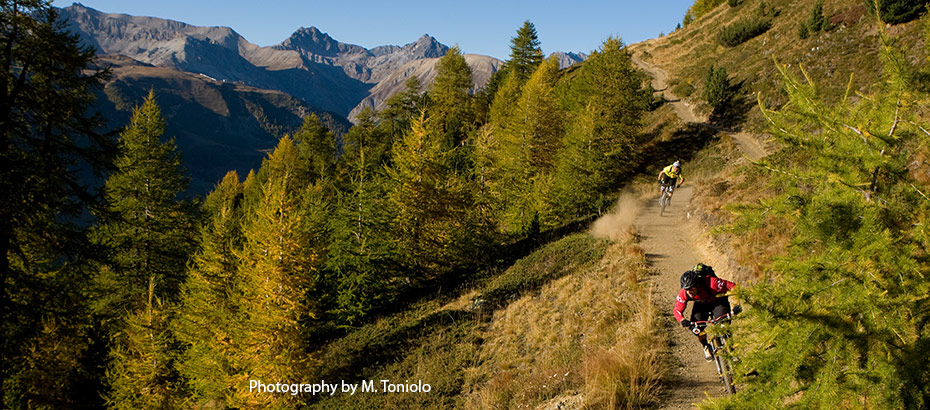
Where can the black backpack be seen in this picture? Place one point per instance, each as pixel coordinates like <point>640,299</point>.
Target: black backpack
<point>704,271</point>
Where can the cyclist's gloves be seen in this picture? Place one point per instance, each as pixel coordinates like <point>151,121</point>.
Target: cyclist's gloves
<point>737,309</point>
<point>685,323</point>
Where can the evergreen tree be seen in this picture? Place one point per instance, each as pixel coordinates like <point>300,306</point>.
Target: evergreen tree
<point>718,92</point>
<point>821,333</point>
<point>209,316</point>
<point>450,112</point>
<point>146,233</point>
<point>317,146</point>
<point>404,107</point>
<point>432,203</point>
<point>366,147</point>
<point>525,53</point>
<point>897,11</point>
<point>279,277</point>
<point>484,98</point>
<point>361,256</point>
<point>816,21</point>
<point>145,229</point>
<point>47,133</point>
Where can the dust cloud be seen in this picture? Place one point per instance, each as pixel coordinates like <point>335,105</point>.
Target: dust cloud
<point>619,220</point>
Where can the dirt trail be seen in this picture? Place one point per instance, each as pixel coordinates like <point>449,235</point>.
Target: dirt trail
<point>747,144</point>
<point>670,245</point>
<point>670,252</point>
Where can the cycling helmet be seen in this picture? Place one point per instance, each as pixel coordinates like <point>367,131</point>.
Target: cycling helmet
<point>689,279</point>
<point>676,164</point>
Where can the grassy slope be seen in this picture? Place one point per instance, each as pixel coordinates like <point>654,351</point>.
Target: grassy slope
<point>545,329</point>
<point>830,58</point>
<point>851,48</point>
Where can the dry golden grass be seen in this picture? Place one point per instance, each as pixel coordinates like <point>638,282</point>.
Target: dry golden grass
<point>592,332</point>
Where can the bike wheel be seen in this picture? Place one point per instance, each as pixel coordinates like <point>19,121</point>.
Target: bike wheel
<point>725,368</point>
<point>663,202</point>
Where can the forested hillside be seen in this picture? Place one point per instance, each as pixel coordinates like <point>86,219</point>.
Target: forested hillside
<point>166,302</point>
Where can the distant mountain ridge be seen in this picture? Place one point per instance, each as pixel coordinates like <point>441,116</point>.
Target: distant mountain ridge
<point>310,64</point>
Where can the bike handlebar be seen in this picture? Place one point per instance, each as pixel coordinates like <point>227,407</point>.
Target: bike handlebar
<point>699,325</point>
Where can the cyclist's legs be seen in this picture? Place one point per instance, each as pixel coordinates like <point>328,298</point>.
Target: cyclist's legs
<point>721,307</point>
<point>700,312</point>
<point>666,183</point>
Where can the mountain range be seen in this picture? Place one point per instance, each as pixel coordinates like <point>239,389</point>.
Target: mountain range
<point>223,94</point>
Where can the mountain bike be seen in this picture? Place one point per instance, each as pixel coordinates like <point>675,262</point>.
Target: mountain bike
<point>666,197</point>
<point>718,346</point>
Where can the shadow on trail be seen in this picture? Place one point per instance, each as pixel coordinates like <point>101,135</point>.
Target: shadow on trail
<point>684,145</point>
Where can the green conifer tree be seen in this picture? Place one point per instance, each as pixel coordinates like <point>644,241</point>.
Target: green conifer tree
<point>361,256</point>
<point>404,107</point>
<point>48,131</point>
<point>718,92</point>
<point>525,53</point>
<point>450,111</point>
<point>146,232</point>
<point>317,146</point>
<point>145,229</point>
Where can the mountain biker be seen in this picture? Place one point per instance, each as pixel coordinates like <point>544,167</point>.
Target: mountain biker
<point>704,290</point>
<point>669,175</point>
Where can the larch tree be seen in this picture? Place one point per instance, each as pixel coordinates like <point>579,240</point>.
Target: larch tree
<point>146,233</point>
<point>432,202</point>
<point>608,99</point>
<point>279,277</point>
<point>209,316</point>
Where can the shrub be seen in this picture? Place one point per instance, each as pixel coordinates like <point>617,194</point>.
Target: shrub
<point>816,21</point>
<point>734,3</point>
<point>683,90</point>
<point>897,11</point>
<point>741,31</point>
<point>717,89</point>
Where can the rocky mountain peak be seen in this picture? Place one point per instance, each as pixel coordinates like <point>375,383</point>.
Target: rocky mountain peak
<point>311,40</point>
<point>426,47</point>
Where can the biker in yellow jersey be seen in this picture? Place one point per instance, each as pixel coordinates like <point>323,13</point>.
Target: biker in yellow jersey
<point>669,175</point>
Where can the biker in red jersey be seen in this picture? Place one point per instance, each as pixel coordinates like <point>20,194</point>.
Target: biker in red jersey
<point>704,290</point>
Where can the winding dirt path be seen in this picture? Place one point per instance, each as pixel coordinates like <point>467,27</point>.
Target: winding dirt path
<point>670,248</point>
<point>747,144</point>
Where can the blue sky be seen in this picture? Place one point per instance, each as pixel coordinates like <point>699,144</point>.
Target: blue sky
<point>478,27</point>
